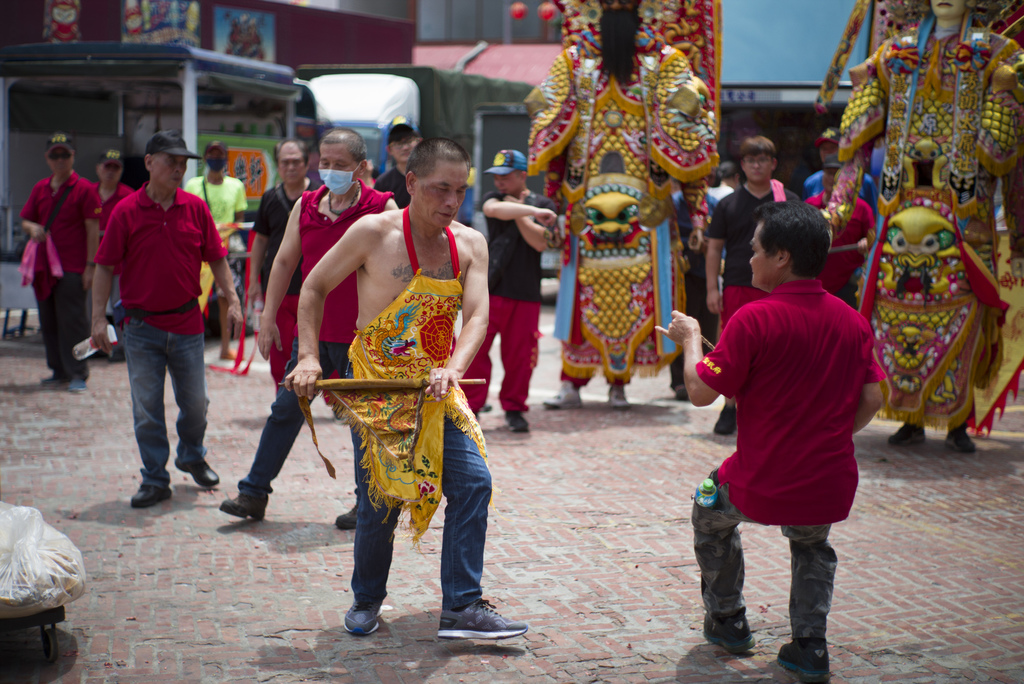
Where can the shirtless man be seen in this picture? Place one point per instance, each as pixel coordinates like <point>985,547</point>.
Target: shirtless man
<point>415,269</point>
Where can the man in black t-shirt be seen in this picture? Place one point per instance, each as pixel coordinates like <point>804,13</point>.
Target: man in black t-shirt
<point>402,140</point>
<point>732,228</point>
<point>516,220</point>
<point>292,158</point>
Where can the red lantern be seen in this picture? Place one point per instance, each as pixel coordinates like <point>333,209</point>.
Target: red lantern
<point>546,11</point>
<point>518,10</point>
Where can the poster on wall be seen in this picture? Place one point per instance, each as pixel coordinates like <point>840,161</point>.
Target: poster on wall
<point>163,22</point>
<point>244,33</point>
<point>60,22</point>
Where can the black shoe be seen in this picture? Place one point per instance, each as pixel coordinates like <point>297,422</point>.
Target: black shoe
<point>150,495</point>
<point>486,408</point>
<point>807,657</point>
<point>731,633</point>
<point>347,521</point>
<point>200,471</point>
<point>478,620</point>
<point>907,434</point>
<point>54,380</point>
<point>726,424</point>
<point>957,440</point>
<point>245,506</point>
<point>681,394</point>
<point>515,421</point>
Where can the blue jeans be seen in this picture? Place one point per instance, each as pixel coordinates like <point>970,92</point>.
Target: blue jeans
<point>466,484</point>
<point>152,354</point>
<point>285,422</point>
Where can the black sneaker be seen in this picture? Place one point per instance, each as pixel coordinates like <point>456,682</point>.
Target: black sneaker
<point>347,521</point>
<point>516,422</point>
<point>478,620</point>
<point>731,633</point>
<point>361,618</point>
<point>726,424</point>
<point>907,434</point>
<point>957,440</point>
<point>681,394</point>
<point>807,657</point>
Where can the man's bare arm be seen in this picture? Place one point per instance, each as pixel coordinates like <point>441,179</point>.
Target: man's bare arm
<point>101,285</point>
<point>685,332</point>
<point>870,401</point>
<point>281,271</point>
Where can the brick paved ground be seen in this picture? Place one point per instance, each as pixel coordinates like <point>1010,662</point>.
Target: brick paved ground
<point>589,541</point>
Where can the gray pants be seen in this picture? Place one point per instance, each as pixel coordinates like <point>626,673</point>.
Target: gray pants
<point>716,542</point>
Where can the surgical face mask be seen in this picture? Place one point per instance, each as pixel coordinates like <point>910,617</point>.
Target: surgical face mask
<point>337,182</point>
<point>216,164</point>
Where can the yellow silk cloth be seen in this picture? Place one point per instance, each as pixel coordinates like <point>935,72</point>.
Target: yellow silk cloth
<point>402,430</point>
<point>226,230</point>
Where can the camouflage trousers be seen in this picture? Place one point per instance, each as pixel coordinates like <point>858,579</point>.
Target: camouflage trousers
<point>716,542</point>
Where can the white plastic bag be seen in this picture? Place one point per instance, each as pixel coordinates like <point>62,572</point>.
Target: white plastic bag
<point>40,568</point>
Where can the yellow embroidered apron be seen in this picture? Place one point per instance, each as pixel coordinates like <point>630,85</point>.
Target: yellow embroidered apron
<point>402,430</point>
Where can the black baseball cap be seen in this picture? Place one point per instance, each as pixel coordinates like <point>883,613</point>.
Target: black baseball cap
<point>169,141</point>
<point>112,156</point>
<point>60,139</point>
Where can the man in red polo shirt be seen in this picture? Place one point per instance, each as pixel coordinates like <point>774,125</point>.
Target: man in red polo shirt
<point>801,365</point>
<point>837,276</point>
<point>160,235</point>
<point>63,209</point>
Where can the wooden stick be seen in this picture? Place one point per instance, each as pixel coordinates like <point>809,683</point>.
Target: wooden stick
<point>386,383</point>
<point>843,248</point>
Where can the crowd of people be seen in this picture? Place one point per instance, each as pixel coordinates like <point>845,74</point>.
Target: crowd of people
<point>792,309</point>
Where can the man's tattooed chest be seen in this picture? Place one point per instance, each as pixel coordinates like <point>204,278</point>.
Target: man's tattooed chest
<point>404,273</point>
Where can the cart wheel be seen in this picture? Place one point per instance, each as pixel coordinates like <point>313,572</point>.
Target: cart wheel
<point>51,646</point>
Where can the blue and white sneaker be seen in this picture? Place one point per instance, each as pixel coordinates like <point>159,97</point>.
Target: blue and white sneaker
<point>478,620</point>
<point>361,618</point>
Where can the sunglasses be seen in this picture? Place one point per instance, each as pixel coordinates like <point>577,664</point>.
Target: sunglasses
<point>60,155</point>
<point>111,165</point>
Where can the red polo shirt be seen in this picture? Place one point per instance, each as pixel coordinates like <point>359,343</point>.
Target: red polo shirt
<point>161,253</point>
<point>796,361</point>
<point>68,229</point>
<point>318,234</point>
<point>107,205</point>
<point>840,266</point>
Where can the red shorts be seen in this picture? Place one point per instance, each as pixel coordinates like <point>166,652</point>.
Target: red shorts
<point>736,296</point>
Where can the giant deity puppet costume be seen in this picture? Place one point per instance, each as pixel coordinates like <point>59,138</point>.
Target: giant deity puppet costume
<point>944,97</point>
<point>626,107</point>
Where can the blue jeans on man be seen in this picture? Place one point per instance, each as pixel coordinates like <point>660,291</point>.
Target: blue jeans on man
<point>466,484</point>
<point>152,354</point>
<point>285,422</point>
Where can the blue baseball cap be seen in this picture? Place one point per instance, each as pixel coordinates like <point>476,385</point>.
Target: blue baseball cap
<point>507,161</point>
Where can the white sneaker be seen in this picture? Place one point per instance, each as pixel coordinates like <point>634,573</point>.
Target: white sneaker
<point>617,397</point>
<point>567,398</point>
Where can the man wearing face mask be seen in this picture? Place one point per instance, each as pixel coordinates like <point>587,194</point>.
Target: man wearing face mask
<point>226,198</point>
<point>317,221</point>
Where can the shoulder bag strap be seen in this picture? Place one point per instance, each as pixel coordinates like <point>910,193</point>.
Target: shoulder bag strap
<point>53,214</point>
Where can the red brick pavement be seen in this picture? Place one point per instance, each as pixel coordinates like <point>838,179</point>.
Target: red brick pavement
<point>589,541</point>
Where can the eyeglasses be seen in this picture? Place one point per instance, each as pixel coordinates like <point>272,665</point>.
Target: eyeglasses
<point>408,142</point>
<point>59,155</point>
<point>291,162</point>
<point>757,161</point>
